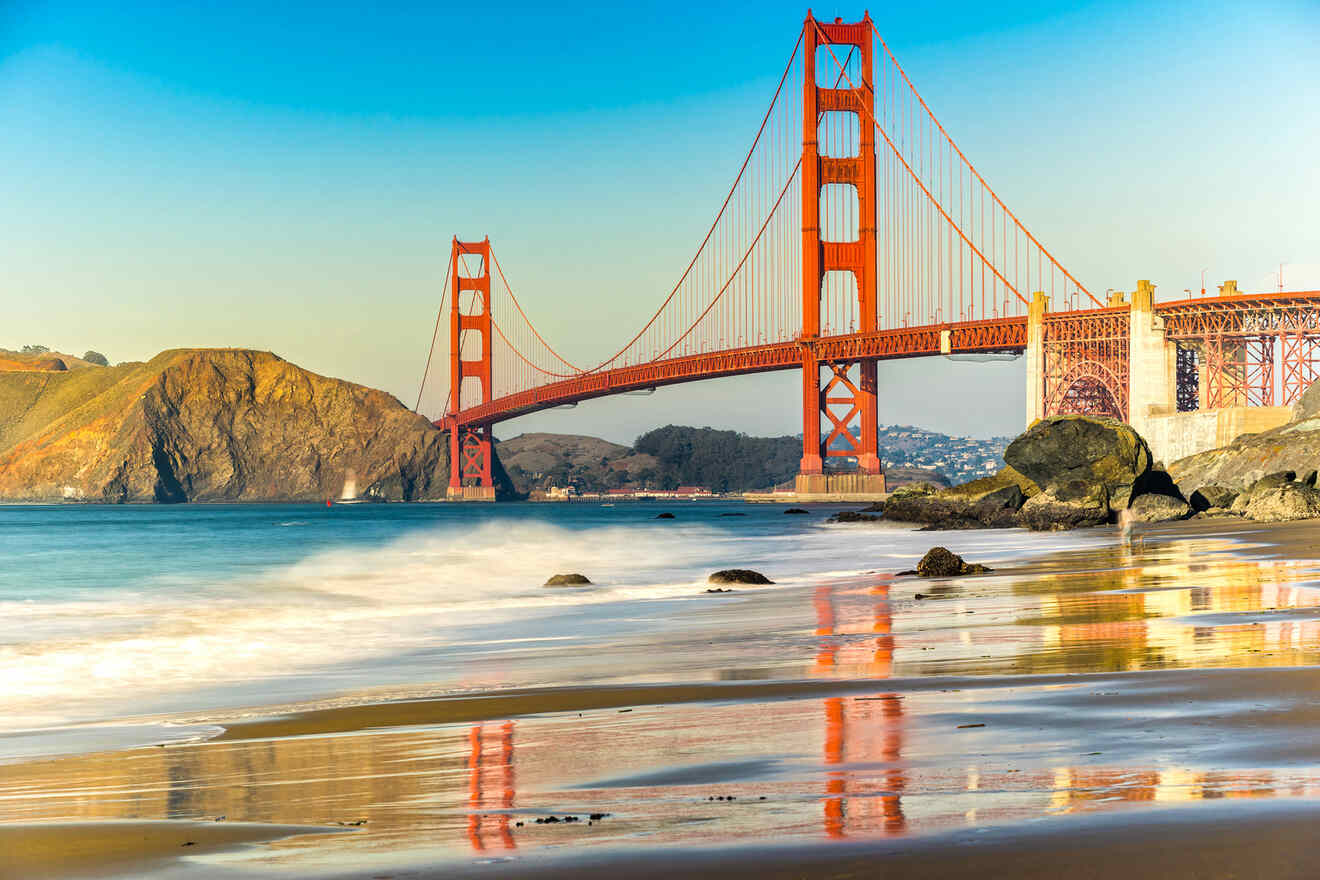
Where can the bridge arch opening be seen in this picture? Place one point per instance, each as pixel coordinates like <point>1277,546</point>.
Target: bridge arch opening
<point>1089,388</point>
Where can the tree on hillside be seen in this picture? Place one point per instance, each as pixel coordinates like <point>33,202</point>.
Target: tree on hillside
<point>36,349</point>
<point>95,357</point>
<point>723,461</point>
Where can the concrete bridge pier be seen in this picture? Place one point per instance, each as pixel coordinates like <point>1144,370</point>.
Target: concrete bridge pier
<point>1152,364</point>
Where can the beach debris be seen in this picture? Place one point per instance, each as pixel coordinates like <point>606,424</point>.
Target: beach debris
<point>596,817</point>
<point>719,590</point>
<point>738,576</point>
<point>188,843</point>
<point>518,824</point>
<point>965,726</point>
<point>796,510</point>
<point>219,819</point>
<point>572,579</point>
<point>941,562</point>
<point>356,823</point>
<point>665,515</point>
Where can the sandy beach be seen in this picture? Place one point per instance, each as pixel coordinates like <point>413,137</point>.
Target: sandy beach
<point>1146,710</point>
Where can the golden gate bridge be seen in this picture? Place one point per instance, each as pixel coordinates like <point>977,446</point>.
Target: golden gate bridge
<point>856,230</point>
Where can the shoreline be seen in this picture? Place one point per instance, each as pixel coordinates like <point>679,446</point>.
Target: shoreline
<point>864,700</point>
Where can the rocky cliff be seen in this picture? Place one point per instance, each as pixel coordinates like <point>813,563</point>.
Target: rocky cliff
<point>209,425</point>
<point>1291,447</point>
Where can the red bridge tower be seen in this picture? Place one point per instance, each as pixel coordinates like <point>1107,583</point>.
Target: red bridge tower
<point>848,392</point>
<point>469,327</point>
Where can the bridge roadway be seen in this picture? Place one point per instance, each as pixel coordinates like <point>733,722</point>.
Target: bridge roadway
<point>995,335</point>
<point>1234,315</point>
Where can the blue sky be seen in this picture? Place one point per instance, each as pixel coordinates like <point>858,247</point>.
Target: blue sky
<point>287,176</point>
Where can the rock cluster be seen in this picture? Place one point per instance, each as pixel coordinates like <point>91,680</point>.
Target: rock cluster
<point>1275,497</point>
<point>1065,472</point>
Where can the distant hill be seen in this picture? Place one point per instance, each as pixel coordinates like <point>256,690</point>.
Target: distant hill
<point>208,425</point>
<point>668,457</point>
<point>39,361</point>
<point>538,461</point>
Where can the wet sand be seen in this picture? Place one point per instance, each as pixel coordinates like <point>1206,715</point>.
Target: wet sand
<point>73,849</point>
<point>1149,710</point>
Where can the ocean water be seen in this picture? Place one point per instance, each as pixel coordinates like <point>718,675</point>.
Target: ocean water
<point>114,614</point>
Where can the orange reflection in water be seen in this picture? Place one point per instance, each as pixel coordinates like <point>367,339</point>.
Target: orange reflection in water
<point>478,769</point>
<point>841,815</point>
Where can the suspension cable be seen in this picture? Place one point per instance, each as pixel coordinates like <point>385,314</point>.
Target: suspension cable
<point>435,336</point>
<point>972,168</point>
<point>496,260</point>
<point>825,42</point>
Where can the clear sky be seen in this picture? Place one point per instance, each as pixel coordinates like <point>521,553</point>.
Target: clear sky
<point>287,176</point>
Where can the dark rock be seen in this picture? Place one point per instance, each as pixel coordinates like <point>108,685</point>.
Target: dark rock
<point>719,590</point>
<point>940,562</point>
<point>567,580</point>
<point>1158,508</point>
<point>851,516</point>
<point>1156,482</point>
<point>1310,478</point>
<point>738,576</point>
<point>665,515</point>
<point>732,514</point>
<point>795,510</point>
<point>1274,480</point>
<point>1067,505</point>
<point>1210,496</point>
<point>905,572</point>
<point>988,502</point>
<point>1063,450</point>
<point>1281,503</point>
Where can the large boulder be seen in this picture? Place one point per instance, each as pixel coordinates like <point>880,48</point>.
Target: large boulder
<point>1286,502</point>
<point>1066,505</point>
<point>1158,508</point>
<point>1093,450</point>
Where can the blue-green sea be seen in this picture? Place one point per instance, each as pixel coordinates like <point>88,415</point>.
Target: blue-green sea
<point>114,617</point>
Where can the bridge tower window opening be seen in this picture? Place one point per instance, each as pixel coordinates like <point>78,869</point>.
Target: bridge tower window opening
<point>839,213</point>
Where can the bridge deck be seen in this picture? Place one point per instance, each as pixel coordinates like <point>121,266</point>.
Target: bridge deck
<point>1003,334</point>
